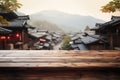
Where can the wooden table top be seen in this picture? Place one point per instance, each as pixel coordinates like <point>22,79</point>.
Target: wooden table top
<point>60,59</point>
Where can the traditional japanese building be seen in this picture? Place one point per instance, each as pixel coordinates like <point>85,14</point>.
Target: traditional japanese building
<point>111,30</point>
<point>18,26</point>
<point>40,40</point>
<point>4,38</point>
<point>88,42</point>
<point>9,16</point>
<point>96,28</point>
<point>95,42</point>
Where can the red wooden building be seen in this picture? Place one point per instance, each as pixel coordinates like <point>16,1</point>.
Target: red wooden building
<point>18,38</point>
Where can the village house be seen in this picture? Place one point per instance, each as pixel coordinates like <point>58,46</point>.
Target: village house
<point>111,30</point>
<point>88,42</point>
<point>40,39</point>
<point>4,38</point>
<point>56,37</point>
<point>18,38</point>
<point>96,28</point>
<point>95,42</point>
<point>43,39</point>
<point>76,42</point>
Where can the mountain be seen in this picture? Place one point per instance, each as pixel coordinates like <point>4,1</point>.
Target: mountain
<point>67,22</point>
<point>45,25</point>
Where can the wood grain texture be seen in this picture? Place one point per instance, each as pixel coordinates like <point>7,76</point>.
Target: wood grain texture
<point>59,65</point>
<point>65,59</point>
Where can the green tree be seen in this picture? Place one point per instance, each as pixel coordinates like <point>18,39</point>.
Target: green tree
<point>87,28</point>
<point>112,6</point>
<point>66,41</point>
<point>3,21</point>
<point>8,6</point>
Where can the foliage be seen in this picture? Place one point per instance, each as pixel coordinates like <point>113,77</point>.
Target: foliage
<point>3,21</point>
<point>87,28</point>
<point>9,5</point>
<point>66,41</point>
<point>112,6</point>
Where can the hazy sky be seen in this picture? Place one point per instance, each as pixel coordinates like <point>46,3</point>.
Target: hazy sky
<point>79,7</point>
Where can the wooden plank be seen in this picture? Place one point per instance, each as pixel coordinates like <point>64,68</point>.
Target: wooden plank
<point>58,59</point>
<point>65,59</point>
<point>59,65</point>
<point>63,65</point>
<point>58,53</point>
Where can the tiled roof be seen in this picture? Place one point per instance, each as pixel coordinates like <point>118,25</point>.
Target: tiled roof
<point>9,16</point>
<point>79,46</point>
<point>115,20</point>
<point>74,46</point>
<point>115,17</point>
<point>25,17</point>
<point>15,24</point>
<point>38,35</point>
<point>4,31</point>
<point>48,37</point>
<point>82,47</point>
<point>56,35</point>
<point>110,24</point>
<point>93,38</point>
<point>46,31</point>
<point>97,26</point>
<point>77,41</point>
<point>75,38</point>
<point>88,40</point>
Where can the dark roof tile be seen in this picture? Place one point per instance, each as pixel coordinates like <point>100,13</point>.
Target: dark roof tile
<point>4,31</point>
<point>9,16</point>
<point>82,47</point>
<point>15,24</point>
<point>115,17</point>
<point>88,40</point>
<point>25,17</point>
<point>38,35</point>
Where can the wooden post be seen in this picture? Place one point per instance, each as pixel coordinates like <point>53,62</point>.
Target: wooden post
<point>111,41</point>
<point>23,39</point>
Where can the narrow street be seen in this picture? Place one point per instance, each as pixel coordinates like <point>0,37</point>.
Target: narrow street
<point>58,46</point>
